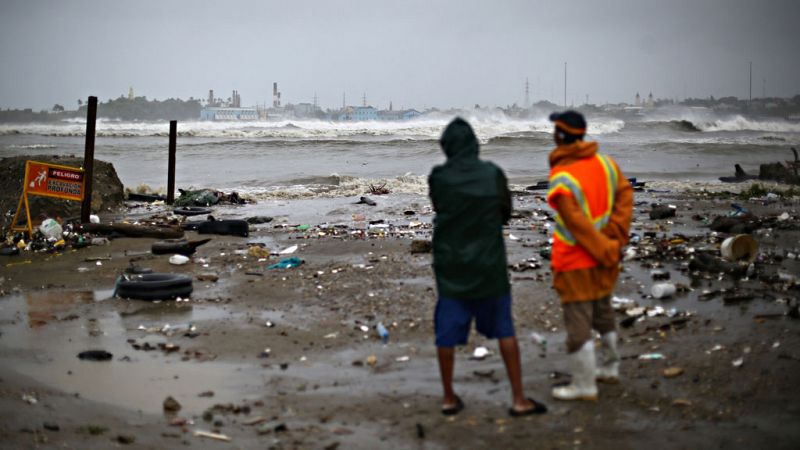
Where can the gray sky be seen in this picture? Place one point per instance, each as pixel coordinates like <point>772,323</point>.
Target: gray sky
<point>416,53</point>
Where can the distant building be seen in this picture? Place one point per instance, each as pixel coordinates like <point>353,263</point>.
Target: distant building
<point>245,114</point>
<point>359,113</point>
<point>410,114</point>
<point>305,109</point>
<point>638,101</point>
<point>403,114</point>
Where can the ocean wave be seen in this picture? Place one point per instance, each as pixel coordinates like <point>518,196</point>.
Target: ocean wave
<point>425,128</point>
<point>32,146</point>
<point>335,185</point>
<point>740,123</point>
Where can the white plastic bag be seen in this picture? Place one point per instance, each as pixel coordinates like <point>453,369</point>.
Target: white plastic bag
<point>51,229</point>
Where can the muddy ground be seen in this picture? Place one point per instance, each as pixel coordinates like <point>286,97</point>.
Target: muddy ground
<point>279,358</point>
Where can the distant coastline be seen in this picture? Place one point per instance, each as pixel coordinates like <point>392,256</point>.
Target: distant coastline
<point>141,109</point>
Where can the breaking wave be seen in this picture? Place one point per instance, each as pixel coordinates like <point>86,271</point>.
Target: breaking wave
<point>739,123</point>
<point>486,128</point>
<point>707,123</point>
<point>336,185</point>
<point>32,146</point>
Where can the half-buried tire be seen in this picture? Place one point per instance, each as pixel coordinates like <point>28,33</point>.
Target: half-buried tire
<point>155,286</point>
<point>191,211</point>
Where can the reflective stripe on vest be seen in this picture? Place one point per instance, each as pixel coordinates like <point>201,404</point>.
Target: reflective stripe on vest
<point>564,181</point>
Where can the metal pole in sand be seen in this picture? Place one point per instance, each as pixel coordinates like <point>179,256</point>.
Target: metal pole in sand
<point>88,159</point>
<point>173,135</point>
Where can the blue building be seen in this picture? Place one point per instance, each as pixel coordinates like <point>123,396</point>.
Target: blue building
<point>229,114</point>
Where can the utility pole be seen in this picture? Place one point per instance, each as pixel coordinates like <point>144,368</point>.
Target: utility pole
<point>315,100</point>
<point>364,99</point>
<point>343,101</point>
<point>764,89</point>
<point>527,94</point>
<point>565,84</point>
<point>751,82</point>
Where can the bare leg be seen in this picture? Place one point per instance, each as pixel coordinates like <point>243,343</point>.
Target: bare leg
<point>447,356</point>
<point>510,351</point>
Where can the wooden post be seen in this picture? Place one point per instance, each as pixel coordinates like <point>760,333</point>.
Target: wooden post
<point>173,135</point>
<point>88,159</point>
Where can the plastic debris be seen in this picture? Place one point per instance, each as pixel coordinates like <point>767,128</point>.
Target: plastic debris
<point>51,229</point>
<point>214,436</point>
<point>288,263</point>
<point>288,250</point>
<point>383,333</point>
<point>480,353</point>
<point>651,356</point>
<point>663,290</point>
<point>178,260</point>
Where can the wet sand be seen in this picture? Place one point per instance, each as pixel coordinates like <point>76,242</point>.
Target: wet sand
<point>279,358</point>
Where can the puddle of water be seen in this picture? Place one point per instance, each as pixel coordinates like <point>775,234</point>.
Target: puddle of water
<point>38,347</point>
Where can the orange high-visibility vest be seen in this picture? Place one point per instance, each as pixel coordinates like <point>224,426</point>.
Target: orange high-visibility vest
<point>592,182</point>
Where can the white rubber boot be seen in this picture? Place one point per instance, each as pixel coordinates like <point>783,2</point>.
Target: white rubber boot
<point>583,386</point>
<point>608,371</point>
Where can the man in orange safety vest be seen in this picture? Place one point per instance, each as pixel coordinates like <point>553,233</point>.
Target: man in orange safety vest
<point>593,204</point>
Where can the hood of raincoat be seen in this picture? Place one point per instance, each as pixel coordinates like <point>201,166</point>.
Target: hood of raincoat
<point>459,142</point>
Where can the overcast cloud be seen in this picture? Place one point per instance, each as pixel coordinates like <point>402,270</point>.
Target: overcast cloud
<point>413,53</point>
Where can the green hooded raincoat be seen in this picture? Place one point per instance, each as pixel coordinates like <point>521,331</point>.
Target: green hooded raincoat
<point>472,202</point>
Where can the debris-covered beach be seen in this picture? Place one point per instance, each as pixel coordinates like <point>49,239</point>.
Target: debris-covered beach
<point>290,297</point>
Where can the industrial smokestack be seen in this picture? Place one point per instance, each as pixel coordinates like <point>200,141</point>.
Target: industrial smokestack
<point>276,96</point>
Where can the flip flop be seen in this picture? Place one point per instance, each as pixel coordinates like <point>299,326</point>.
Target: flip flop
<point>454,409</point>
<point>538,408</point>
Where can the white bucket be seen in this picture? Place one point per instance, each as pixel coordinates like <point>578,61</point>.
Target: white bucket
<point>741,247</point>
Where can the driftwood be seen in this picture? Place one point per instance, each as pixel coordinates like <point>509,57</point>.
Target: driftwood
<point>130,230</point>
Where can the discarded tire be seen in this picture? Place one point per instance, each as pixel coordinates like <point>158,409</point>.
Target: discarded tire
<point>176,246</point>
<point>155,286</point>
<point>191,211</point>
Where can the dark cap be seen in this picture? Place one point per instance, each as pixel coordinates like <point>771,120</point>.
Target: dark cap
<point>570,122</point>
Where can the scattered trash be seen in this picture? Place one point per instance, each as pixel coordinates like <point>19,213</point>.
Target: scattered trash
<point>737,362</point>
<point>93,218</point>
<point>29,399</point>
<point>663,290</point>
<point>171,405</point>
<point>214,436</point>
<point>539,339</point>
<point>288,250</point>
<point>383,333</point>
<point>741,247</point>
<point>288,263</point>
<point>651,356</point>
<point>372,360</point>
<point>421,246</point>
<point>51,229</point>
<point>178,260</point>
<point>176,246</point>
<point>672,372</point>
<point>95,355</point>
<point>480,353</point>
<point>366,201</point>
<point>662,212</point>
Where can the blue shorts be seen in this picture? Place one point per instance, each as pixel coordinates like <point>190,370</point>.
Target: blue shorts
<point>453,318</point>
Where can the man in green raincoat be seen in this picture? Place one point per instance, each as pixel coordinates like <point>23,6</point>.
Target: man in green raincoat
<point>472,202</point>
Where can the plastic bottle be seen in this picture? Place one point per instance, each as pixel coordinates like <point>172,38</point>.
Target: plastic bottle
<point>382,332</point>
<point>662,290</point>
<point>539,339</point>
